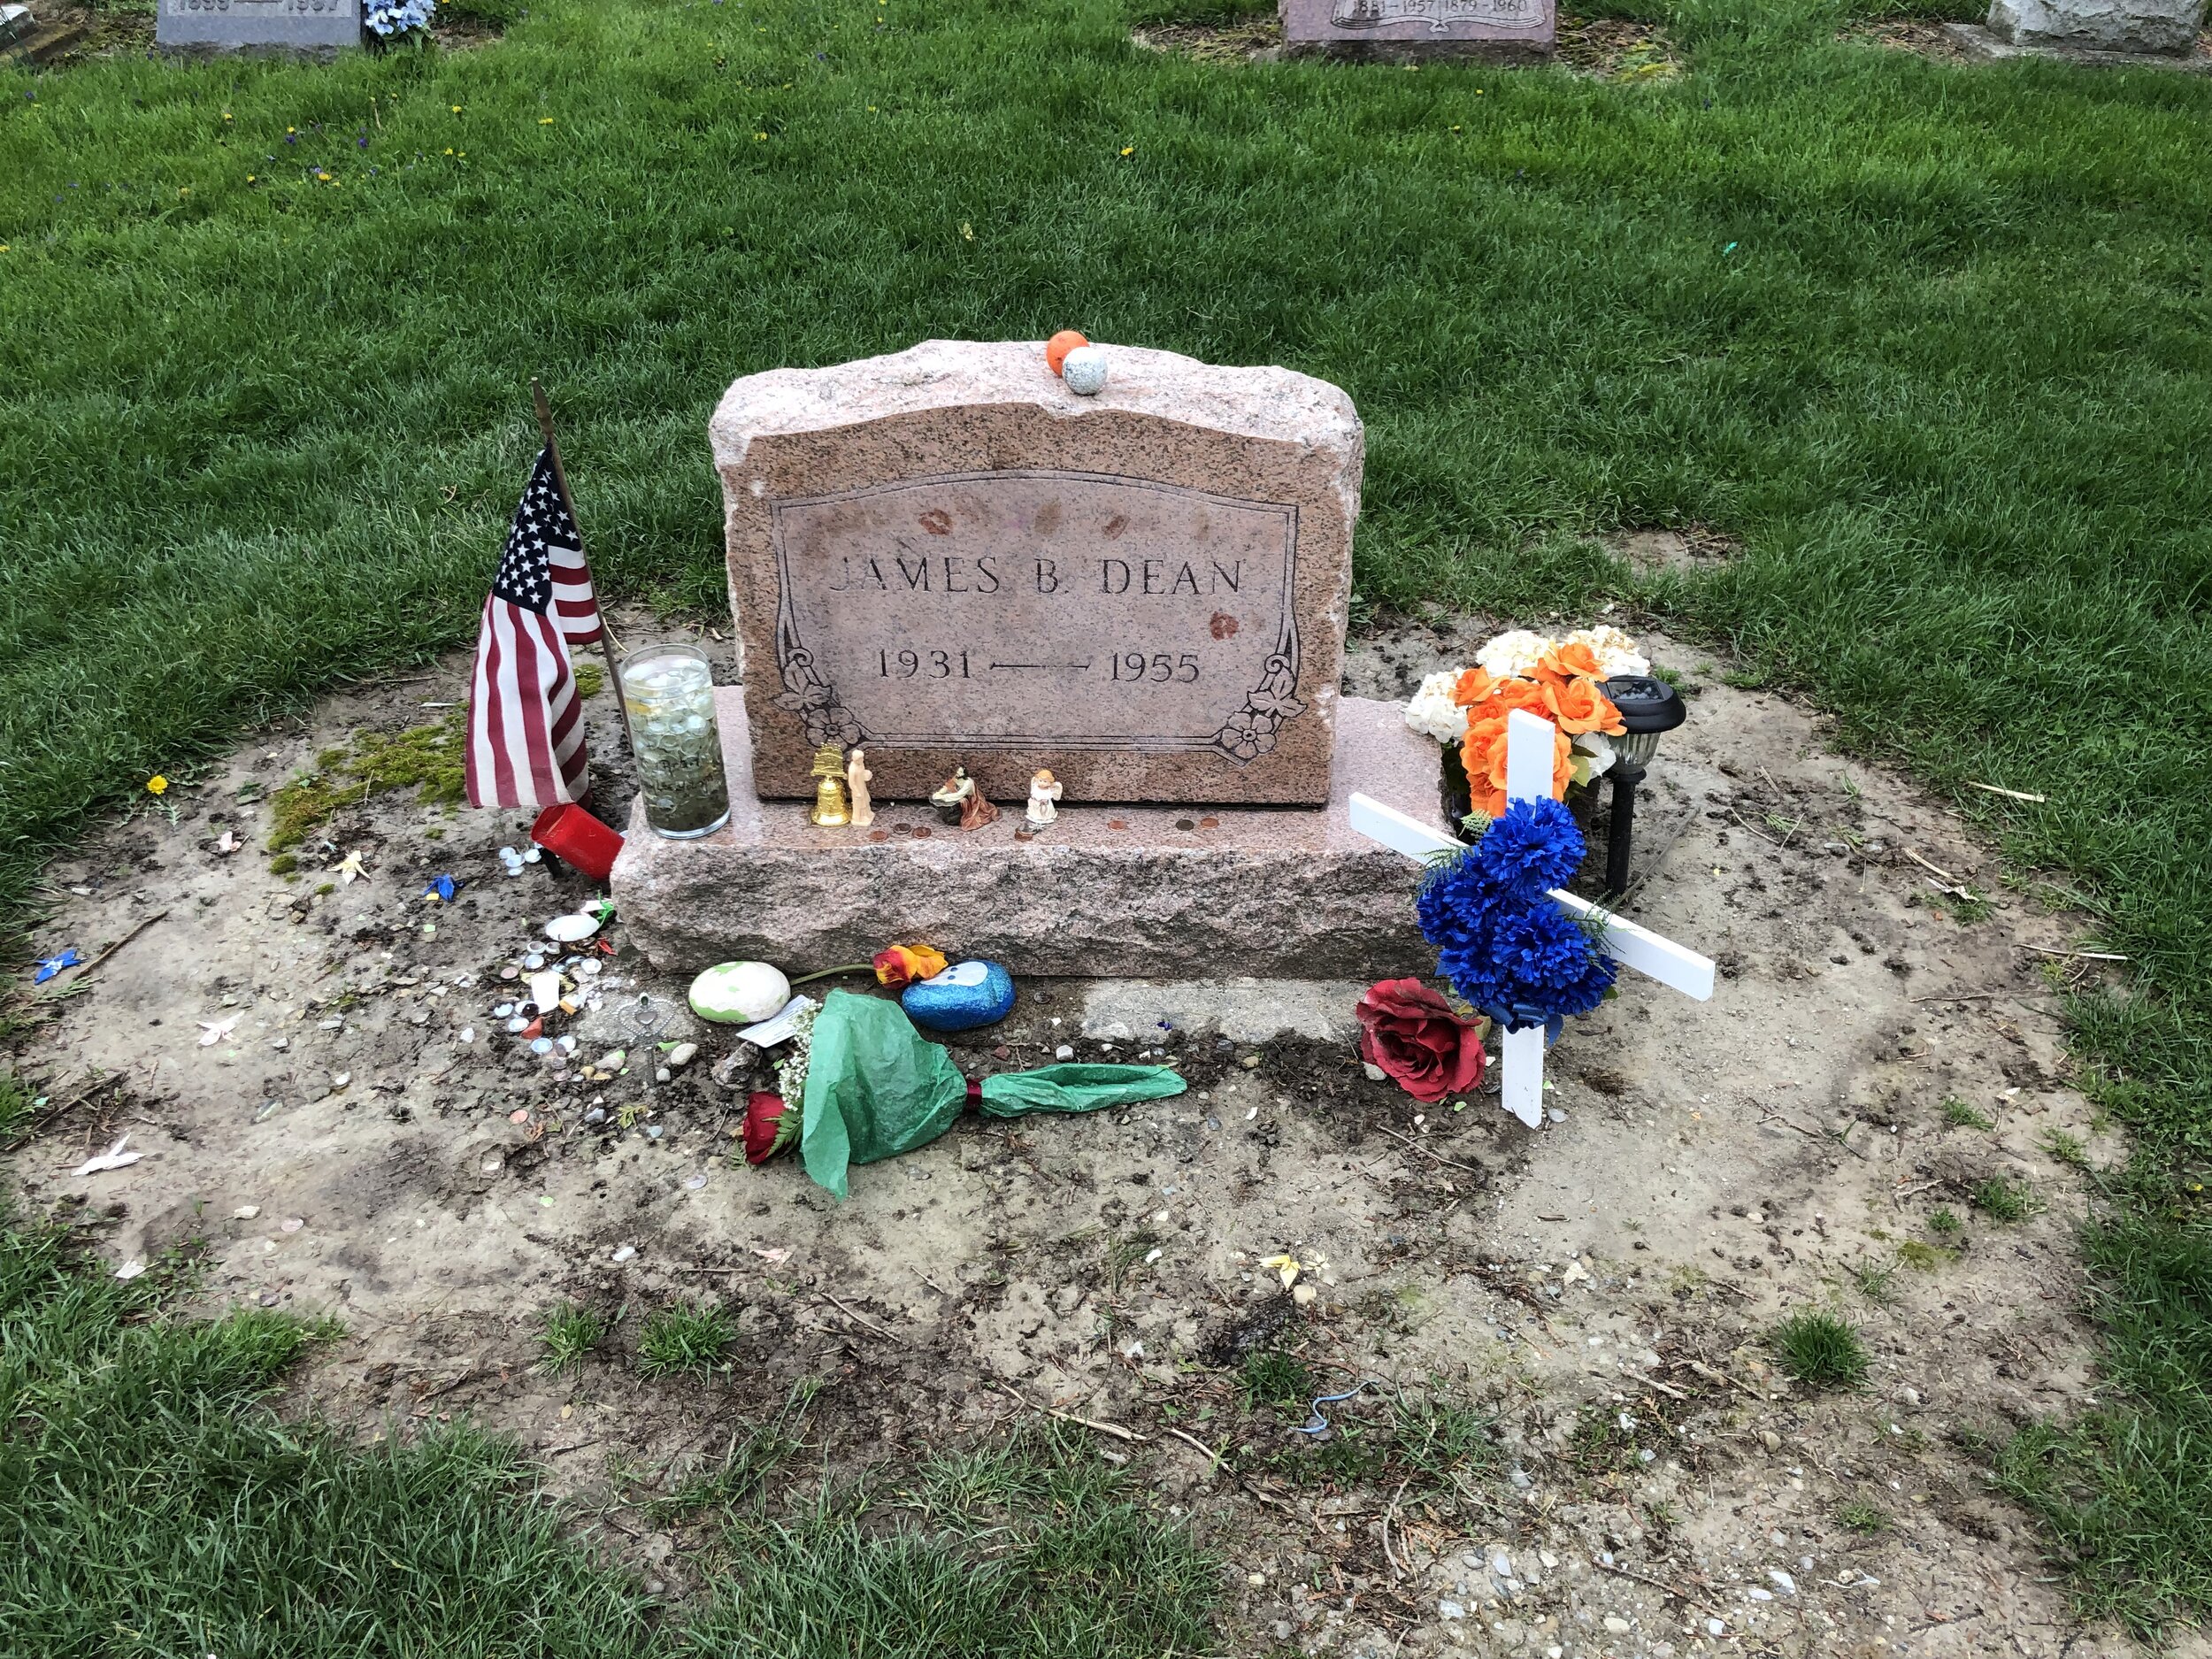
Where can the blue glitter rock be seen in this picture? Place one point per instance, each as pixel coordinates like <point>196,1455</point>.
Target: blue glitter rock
<point>964,996</point>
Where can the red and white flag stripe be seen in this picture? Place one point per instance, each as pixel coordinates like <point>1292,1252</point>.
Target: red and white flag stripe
<point>525,721</point>
<point>526,718</point>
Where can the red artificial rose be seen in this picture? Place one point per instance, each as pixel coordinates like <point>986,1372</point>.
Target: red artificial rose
<point>1411,1032</point>
<point>763,1125</point>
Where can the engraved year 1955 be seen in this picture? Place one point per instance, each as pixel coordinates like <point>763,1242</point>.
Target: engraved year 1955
<point>1160,668</point>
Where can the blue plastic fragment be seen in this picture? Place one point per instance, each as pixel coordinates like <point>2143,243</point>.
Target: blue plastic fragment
<point>49,966</point>
<point>1319,1425</point>
<point>444,887</point>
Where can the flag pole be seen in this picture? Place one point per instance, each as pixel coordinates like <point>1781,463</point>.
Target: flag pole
<point>568,503</point>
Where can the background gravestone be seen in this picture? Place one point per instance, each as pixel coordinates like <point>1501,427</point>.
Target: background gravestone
<point>948,556</point>
<point>272,25</point>
<point>2104,25</point>
<point>1498,30</point>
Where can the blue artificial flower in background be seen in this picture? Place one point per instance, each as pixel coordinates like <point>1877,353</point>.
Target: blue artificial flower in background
<point>387,17</point>
<point>1506,947</point>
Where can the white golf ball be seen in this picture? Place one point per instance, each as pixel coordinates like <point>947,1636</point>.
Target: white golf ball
<point>1083,371</point>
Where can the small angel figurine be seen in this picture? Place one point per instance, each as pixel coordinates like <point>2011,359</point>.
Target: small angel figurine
<point>1044,794</point>
<point>857,777</point>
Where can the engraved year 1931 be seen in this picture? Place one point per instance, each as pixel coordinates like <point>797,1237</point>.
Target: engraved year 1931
<point>928,664</point>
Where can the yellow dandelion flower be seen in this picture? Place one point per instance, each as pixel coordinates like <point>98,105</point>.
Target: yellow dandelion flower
<point>448,150</point>
<point>227,115</point>
<point>324,177</point>
<point>545,120</point>
<point>157,784</point>
<point>184,189</point>
<point>456,109</point>
<point>759,137</point>
<point>251,180</point>
<point>291,129</point>
<point>1129,149</point>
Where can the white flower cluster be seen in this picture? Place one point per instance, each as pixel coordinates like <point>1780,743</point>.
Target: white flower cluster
<point>1514,655</point>
<point>791,1070</point>
<point>387,17</point>
<point>1615,650</point>
<point>1432,713</point>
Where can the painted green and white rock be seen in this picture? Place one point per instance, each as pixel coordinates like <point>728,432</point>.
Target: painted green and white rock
<point>740,993</point>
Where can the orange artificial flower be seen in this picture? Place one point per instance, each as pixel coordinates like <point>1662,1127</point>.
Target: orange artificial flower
<point>1569,660</point>
<point>1581,707</point>
<point>1484,756</point>
<point>1526,693</point>
<point>903,964</point>
<point>1474,687</point>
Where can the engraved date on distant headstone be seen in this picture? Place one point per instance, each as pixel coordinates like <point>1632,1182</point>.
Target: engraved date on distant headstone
<point>268,24</point>
<point>1415,26</point>
<point>1060,609</point>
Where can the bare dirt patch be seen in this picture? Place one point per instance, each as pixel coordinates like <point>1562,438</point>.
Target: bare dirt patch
<point>1253,40</point>
<point>1923,35</point>
<point>322,1074</point>
<point>1689,547</point>
<point>1616,49</point>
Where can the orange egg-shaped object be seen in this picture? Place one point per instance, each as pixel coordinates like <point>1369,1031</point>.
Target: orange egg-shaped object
<point>1057,347</point>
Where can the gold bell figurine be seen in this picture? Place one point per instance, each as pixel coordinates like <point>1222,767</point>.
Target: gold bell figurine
<point>831,810</point>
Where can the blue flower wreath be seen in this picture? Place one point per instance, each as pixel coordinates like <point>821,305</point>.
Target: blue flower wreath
<point>1505,945</point>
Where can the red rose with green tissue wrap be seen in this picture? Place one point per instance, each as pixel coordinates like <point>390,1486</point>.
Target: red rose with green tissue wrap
<point>1411,1033</point>
<point>769,1126</point>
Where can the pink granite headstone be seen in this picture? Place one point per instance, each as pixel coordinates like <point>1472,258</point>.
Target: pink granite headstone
<point>948,557</point>
<point>1496,29</point>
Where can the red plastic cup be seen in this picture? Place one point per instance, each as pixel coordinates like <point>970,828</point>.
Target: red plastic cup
<point>576,838</point>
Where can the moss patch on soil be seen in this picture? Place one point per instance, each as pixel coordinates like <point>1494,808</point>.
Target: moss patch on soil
<point>427,758</point>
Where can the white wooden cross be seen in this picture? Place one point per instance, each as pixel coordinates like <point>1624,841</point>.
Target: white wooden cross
<point>1528,774</point>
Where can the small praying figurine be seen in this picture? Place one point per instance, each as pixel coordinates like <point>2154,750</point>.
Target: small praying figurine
<point>958,801</point>
<point>857,777</point>
<point>1044,794</point>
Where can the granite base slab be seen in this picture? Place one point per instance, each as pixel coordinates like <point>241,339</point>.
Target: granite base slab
<point>1979,41</point>
<point>1105,892</point>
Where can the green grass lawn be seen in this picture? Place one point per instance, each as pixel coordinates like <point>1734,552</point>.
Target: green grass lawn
<point>1932,341</point>
<point>156,1507</point>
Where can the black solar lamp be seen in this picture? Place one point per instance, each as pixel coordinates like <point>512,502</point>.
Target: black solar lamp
<point>1648,707</point>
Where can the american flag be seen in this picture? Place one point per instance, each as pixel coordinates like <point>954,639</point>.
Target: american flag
<point>525,721</point>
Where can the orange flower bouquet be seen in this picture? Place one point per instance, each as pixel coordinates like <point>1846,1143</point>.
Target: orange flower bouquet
<point>1562,681</point>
